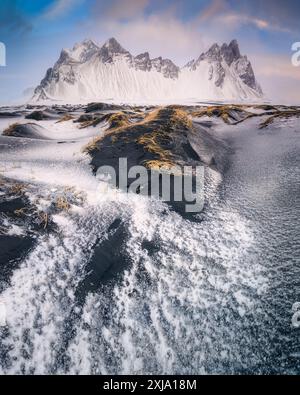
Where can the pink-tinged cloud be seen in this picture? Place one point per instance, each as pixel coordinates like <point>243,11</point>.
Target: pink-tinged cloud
<point>279,78</point>
<point>120,9</point>
<point>277,66</point>
<point>213,9</point>
<point>60,8</point>
<point>161,35</point>
<point>236,20</point>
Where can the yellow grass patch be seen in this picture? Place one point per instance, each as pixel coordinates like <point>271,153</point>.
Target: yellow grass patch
<point>9,131</point>
<point>280,114</point>
<point>92,145</point>
<point>20,212</point>
<point>118,120</point>
<point>62,204</point>
<point>17,189</point>
<point>152,143</point>
<point>181,118</point>
<point>222,112</point>
<point>120,123</point>
<point>158,165</point>
<point>65,118</point>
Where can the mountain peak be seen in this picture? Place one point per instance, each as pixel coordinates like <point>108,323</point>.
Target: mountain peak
<point>214,48</point>
<point>143,62</point>
<point>64,56</point>
<point>110,49</point>
<point>234,45</point>
<point>81,52</point>
<point>213,53</point>
<point>85,43</point>
<point>144,55</point>
<point>113,46</point>
<point>231,52</point>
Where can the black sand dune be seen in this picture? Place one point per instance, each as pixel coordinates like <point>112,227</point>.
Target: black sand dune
<point>165,138</point>
<point>28,130</point>
<point>39,115</point>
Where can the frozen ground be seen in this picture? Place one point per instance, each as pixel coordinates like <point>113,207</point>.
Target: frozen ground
<point>123,284</point>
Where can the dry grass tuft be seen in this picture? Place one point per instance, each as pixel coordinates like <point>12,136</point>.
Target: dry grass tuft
<point>44,218</point>
<point>20,212</point>
<point>223,112</point>
<point>94,122</point>
<point>92,146</point>
<point>9,131</point>
<point>17,189</point>
<point>118,120</point>
<point>153,142</point>
<point>65,118</point>
<point>158,164</point>
<point>62,204</point>
<point>278,115</point>
<point>181,118</point>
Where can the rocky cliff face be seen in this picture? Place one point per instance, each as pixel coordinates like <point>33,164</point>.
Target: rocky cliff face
<point>218,57</point>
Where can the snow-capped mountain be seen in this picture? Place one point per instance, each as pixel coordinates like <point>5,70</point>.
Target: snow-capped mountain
<point>89,72</point>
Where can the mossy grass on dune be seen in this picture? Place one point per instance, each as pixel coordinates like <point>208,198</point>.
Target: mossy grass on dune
<point>65,118</point>
<point>93,121</point>
<point>236,114</point>
<point>155,142</point>
<point>181,118</point>
<point>92,145</point>
<point>158,164</point>
<point>114,120</point>
<point>279,115</point>
<point>228,113</point>
<point>118,120</point>
<point>154,137</point>
<point>10,130</point>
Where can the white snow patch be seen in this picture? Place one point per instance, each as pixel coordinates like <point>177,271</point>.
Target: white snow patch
<point>3,314</point>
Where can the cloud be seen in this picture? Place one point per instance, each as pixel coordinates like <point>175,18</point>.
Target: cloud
<point>277,66</point>
<point>214,8</point>
<point>164,32</point>
<point>120,10</point>
<point>236,20</point>
<point>161,34</point>
<point>271,15</point>
<point>253,13</point>
<point>283,14</point>
<point>268,15</point>
<point>280,80</point>
<point>60,8</point>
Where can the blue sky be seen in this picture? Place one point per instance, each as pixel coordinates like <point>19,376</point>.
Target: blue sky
<point>34,33</point>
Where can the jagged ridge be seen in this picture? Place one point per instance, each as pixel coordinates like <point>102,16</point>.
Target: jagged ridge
<point>110,72</point>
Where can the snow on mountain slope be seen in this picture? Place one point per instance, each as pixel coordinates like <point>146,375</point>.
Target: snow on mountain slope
<point>89,72</point>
